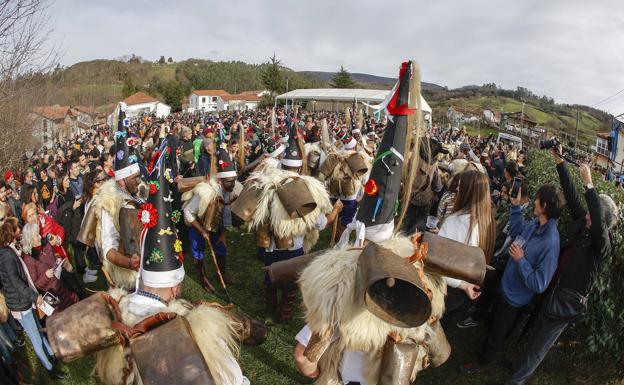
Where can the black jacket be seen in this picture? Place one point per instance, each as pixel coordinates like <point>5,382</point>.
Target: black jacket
<point>68,217</point>
<point>587,248</point>
<point>18,294</point>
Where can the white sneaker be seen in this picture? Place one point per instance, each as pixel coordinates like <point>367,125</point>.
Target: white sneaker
<point>88,278</point>
<point>91,272</point>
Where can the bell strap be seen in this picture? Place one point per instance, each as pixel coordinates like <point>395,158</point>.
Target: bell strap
<point>150,323</point>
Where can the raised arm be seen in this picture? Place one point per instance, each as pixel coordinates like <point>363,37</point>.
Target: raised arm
<point>598,230</point>
<point>571,195</point>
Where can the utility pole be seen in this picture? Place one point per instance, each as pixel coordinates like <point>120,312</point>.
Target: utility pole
<point>522,121</point>
<point>576,135</point>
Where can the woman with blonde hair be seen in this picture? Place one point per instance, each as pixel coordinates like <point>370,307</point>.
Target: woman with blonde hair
<point>41,262</point>
<point>472,223</point>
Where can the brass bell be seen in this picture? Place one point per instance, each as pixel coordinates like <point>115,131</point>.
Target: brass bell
<point>357,165</point>
<point>394,290</point>
<point>244,207</point>
<point>296,198</point>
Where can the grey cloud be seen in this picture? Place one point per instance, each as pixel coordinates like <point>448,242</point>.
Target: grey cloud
<point>570,50</point>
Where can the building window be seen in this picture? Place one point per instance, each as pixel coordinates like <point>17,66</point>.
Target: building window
<point>204,99</point>
<point>601,147</point>
<point>214,99</point>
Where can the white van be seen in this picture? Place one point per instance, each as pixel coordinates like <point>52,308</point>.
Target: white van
<point>509,139</point>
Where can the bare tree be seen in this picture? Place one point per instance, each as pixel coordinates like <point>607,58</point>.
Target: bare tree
<point>25,62</point>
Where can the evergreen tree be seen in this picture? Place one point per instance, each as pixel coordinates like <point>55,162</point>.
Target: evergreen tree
<point>173,94</point>
<point>343,79</point>
<point>129,87</point>
<point>272,76</point>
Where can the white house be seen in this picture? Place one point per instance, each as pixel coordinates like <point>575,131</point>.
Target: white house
<point>206,100</point>
<point>55,124</point>
<point>491,116</point>
<point>220,100</point>
<point>602,150</point>
<point>140,103</point>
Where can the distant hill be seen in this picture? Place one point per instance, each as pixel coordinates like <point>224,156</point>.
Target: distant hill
<point>367,80</point>
<point>103,82</point>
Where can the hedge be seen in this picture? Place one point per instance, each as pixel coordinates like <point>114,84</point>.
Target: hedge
<point>603,325</point>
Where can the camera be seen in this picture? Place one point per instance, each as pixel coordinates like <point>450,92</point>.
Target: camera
<point>548,143</point>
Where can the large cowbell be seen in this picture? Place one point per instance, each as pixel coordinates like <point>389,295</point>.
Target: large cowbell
<point>393,288</point>
<point>296,198</point>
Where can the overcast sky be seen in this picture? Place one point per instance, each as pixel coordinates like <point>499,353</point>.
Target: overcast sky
<point>571,50</point>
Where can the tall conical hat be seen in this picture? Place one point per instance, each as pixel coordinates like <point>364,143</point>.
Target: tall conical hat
<point>378,206</point>
<point>161,250</point>
<point>293,156</point>
<point>125,161</point>
<point>225,166</point>
<point>272,148</point>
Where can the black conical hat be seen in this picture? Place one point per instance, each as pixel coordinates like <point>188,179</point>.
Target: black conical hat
<point>161,250</point>
<point>293,156</point>
<point>225,166</point>
<point>271,147</point>
<point>379,204</point>
<point>125,164</point>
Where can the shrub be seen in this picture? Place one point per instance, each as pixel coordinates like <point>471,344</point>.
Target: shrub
<point>603,325</point>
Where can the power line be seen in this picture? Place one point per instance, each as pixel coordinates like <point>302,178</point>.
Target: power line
<point>610,97</point>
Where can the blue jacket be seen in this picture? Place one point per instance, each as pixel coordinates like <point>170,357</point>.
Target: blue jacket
<point>532,273</point>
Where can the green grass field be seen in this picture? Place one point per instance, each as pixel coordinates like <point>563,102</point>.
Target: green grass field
<point>588,125</point>
<point>272,364</point>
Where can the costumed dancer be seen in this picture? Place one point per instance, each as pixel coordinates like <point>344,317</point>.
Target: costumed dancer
<point>373,310</point>
<point>207,214</point>
<point>167,339</point>
<point>315,148</point>
<point>345,171</point>
<point>286,211</point>
<point>110,223</point>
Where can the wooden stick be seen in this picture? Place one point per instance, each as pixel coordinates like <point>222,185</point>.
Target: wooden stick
<point>214,260</point>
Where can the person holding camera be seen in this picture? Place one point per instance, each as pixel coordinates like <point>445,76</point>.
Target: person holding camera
<point>579,265</point>
<point>529,271</point>
<point>21,295</point>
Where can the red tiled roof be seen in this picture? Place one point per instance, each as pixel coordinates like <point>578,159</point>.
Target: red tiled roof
<point>53,112</point>
<point>210,93</point>
<point>603,135</point>
<point>139,98</point>
<point>246,96</point>
<point>86,110</point>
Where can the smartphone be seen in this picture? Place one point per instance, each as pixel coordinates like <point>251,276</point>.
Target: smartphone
<point>515,187</point>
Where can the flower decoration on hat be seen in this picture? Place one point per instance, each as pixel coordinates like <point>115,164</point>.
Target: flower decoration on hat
<point>177,246</point>
<point>169,175</point>
<point>154,187</point>
<point>148,215</point>
<point>120,134</point>
<point>176,215</point>
<point>132,141</point>
<point>370,188</point>
<point>156,256</point>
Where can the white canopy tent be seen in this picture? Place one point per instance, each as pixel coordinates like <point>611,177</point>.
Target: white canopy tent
<point>345,95</point>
